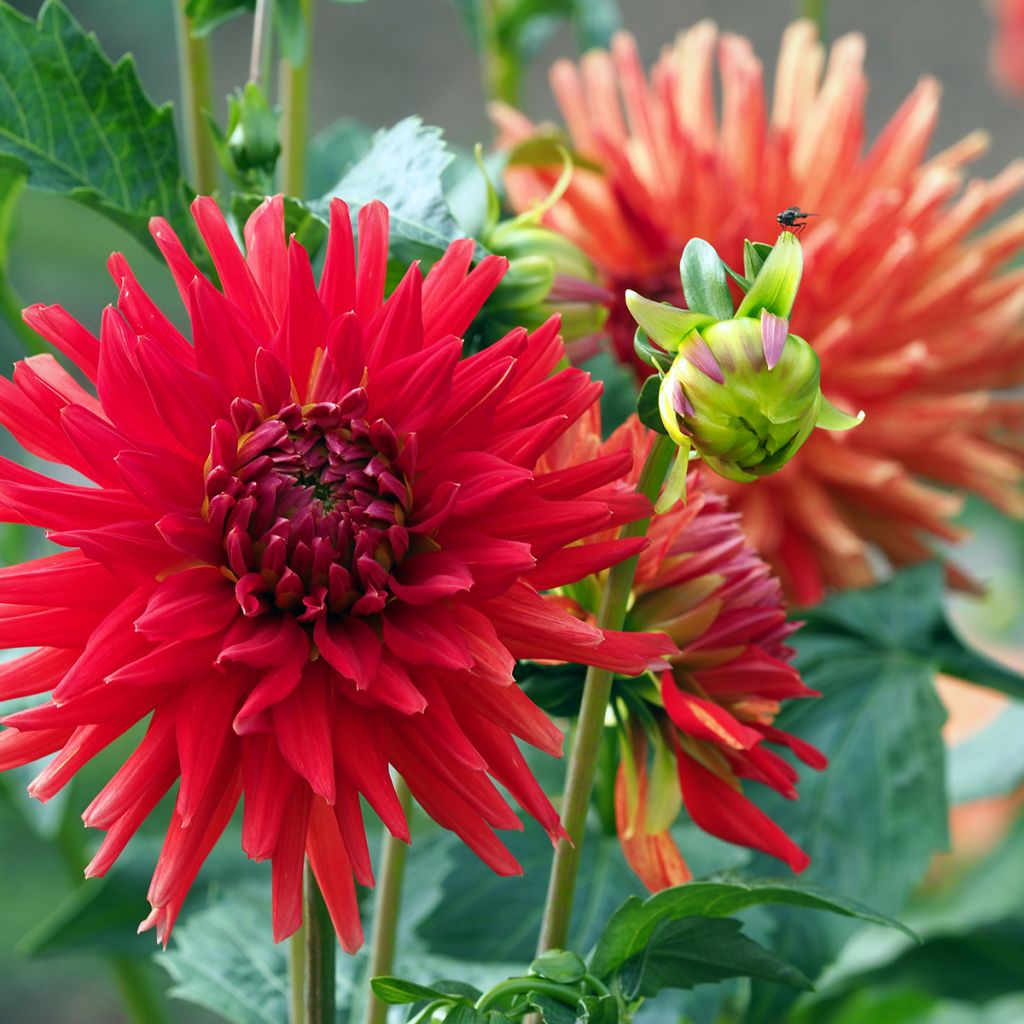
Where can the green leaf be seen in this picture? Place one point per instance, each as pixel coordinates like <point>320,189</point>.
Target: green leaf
<point>403,168</point>
<point>647,408</point>
<point>830,417</point>
<point>551,1010</point>
<point>598,1010</point>
<point>455,926</point>
<point>333,151</point>
<point>701,950</point>
<point>674,489</point>
<point>873,654</point>
<point>291,31</point>
<point>395,991</point>
<point>630,928</point>
<point>561,965</point>
<point>82,127</point>
<point>463,1014</point>
<point>206,15</point>
<point>556,688</point>
<point>596,22</point>
<point>705,285</point>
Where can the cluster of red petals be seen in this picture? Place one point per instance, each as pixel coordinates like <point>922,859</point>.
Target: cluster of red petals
<point>700,582</point>
<point>904,299</point>
<point>311,550</point>
<point>1008,46</point>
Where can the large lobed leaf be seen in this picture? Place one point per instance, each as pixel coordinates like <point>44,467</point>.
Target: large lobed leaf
<point>82,127</point>
<point>872,821</point>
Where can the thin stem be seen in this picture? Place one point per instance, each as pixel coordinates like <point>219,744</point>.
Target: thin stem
<point>519,986</point>
<point>590,725</point>
<point>499,71</point>
<point>297,976</point>
<point>196,96</point>
<point>259,27</point>
<point>815,10</point>
<point>294,95</point>
<point>388,903</point>
<point>321,943</point>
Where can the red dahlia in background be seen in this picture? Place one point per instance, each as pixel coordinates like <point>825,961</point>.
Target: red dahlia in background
<point>910,308</point>
<point>312,550</point>
<point>695,735</point>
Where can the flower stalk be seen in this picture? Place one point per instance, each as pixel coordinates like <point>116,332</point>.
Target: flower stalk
<point>294,96</point>
<point>586,744</point>
<point>389,900</point>
<point>320,945</point>
<point>196,96</point>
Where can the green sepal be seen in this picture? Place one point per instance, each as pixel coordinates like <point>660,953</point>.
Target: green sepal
<point>776,283</point>
<point>667,325</point>
<point>647,407</point>
<point>649,353</point>
<point>742,281</point>
<point>705,285</point>
<point>832,418</point>
<point>754,255</point>
<point>559,965</point>
<point>675,483</point>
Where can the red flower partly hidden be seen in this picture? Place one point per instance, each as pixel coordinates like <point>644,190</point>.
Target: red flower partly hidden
<point>313,551</point>
<point>1008,46</point>
<point>903,298</point>
<point>706,728</point>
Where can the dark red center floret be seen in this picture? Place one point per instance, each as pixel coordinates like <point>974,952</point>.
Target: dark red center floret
<point>311,504</point>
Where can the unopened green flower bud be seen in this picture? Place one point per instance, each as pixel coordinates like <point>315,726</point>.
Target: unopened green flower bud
<point>743,391</point>
<point>252,130</point>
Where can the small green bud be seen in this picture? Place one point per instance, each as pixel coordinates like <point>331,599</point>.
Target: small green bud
<point>743,391</point>
<point>252,130</point>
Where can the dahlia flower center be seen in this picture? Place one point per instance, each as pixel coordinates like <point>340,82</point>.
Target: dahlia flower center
<point>311,507</point>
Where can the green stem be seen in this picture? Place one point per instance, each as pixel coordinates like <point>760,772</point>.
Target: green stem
<point>196,96</point>
<point>294,96</point>
<point>142,999</point>
<point>815,10</point>
<point>590,725</point>
<point>499,71</point>
<point>387,905</point>
<point>320,946</point>
<point>297,976</point>
<point>519,986</point>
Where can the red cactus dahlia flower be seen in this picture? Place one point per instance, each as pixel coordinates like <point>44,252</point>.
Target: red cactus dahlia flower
<point>708,723</point>
<point>908,307</point>
<point>313,550</point>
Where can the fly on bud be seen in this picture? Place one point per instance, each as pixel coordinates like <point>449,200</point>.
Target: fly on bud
<point>737,387</point>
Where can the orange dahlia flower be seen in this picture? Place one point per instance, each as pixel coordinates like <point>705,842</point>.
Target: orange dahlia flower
<point>311,549</point>
<point>1008,46</point>
<point>909,306</point>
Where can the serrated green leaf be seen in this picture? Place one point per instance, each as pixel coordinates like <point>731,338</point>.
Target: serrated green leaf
<point>561,965</point>
<point>705,286</point>
<point>403,168</point>
<point>396,991</point>
<point>632,925</point>
<point>873,654</point>
<point>551,1010</point>
<point>82,127</point>
<point>701,950</point>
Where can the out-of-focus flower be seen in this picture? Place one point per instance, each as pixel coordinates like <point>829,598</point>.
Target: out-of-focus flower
<point>740,388</point>
<point>903,299</point>
<point>1008,46</point>
<point>312,551</point>
<point>694,735</point>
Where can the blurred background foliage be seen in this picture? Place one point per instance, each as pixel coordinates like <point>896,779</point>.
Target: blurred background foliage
<point>381,61</point>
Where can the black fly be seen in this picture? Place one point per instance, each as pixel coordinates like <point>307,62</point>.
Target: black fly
<point>795,218</point>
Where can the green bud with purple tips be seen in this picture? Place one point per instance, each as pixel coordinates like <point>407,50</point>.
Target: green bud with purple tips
<point>737,387</point>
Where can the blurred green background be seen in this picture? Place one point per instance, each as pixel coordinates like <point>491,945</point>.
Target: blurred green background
<point>379,62</point>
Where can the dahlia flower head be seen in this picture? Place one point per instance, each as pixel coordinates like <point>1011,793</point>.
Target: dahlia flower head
<point>906,302</point>
<point>1007,58</point>
<point>695,734</point>
<point>311,550</point>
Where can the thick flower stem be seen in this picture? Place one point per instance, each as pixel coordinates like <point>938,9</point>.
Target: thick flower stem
<point>388,903</point>
<point>294,97</point>
<point>297,976</point>
<point>196,96</point>
<point>586,744</point>
<point>320,946</point>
